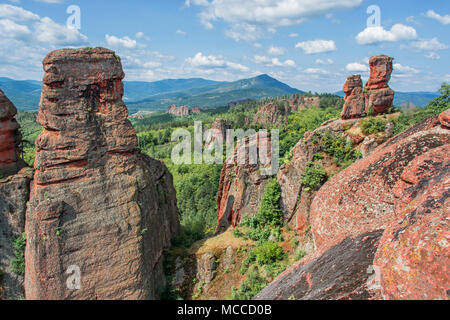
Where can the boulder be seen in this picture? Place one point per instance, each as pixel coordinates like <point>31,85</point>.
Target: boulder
<point>79,217</point>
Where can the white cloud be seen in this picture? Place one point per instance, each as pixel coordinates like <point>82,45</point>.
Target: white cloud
<point>405,69</point>
<point>244,31</point>
<point>442,19</point>
<point>125,42</point>
<point>48,31</point>
<point>213,62</point>
<point>180,32</point>
<point>293,35</point>
<point>324,62</point>
<point>274,62</point>
<point>16,13</point>
<point>315,71</point>
<point>317,46</point>
<point>10,29</point>
<point>433,56</point>
<point>429,44</point>
<point>270,12</point>
<point>398,32</point>
<point>357,67</point>
<point>276,51</point>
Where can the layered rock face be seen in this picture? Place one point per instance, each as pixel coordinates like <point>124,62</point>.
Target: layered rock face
<point>242,183</point>
<point>97,205</point>
<point>354,105</point>
<point>14,195</point>
<point>379,95</point>
<point>380,226</point>
<point>273,113</point>
<point>10,138</point>
<point>377,98</point>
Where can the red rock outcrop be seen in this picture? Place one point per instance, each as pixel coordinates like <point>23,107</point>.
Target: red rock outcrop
<point>355,104</point>
<point>242,183</point>
<point>272,113</point>
<point>178,111</point>
<point>196,110</point>
<point>379,96</point>
<point>79,215</point>
<point>10,138</point>
<point>381,226</point>
<point>444,118</point>
<point>296,200</point>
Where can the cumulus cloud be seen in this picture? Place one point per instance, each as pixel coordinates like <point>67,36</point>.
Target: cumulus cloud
<point>433,56</point>
<point>317,46</point>
<point>442,19</point>
<point>405,69</point>
<point>16,13</point>
<point>10,29</point>
<point>48,31</point>
<point>429,44</point>
<point>357,67</point>
<point>274,62</point>
<point>268,13</point>
<point>398,32</point>
<point>213,62</point>
<point>125,42</point>
<point>324,62</point>
<point>315,71</point>
<point>244,31</point>
<point>276,51</point>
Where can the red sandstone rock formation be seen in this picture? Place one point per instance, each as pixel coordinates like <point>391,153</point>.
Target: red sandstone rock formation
<point>355,104</point>
<point>379,95</point>
<point>179,111</point>
<point>96,203</point>
<point>242,184</point>
<point>381,227</point>
<point>196,110</point>
<point>273,113</point>
<point>10,138</point>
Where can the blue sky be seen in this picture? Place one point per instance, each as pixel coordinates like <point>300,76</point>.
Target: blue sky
<point>308,44</point>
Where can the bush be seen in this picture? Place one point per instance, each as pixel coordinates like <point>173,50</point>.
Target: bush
<point>340,149</point>
<point>314,177</point>
<point>250,287</point>
<point>372,125</point>
<point>270,212</point>
<point>268,253</point>
<point>18,263</point>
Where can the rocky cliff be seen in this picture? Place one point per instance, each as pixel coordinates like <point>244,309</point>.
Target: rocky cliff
<point>97,205</point>
<point>380,227</point>
<point>14,193</point>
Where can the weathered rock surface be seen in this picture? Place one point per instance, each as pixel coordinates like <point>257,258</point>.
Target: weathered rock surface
<point>10,138</point>
<point>273,113</point>
<point>386,214</point>
<point>14,195</point>
<point>206,266</point>
<point>444,118</point>
<point>379,96</point>
<point>79,214</point>
<point>342,272</point>
<point>242,183</point>
<point>355,104</point>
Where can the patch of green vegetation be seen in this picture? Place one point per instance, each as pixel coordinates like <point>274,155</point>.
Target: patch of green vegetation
<point>267,253</point>
<point>250,287</point>
<point>18,262</point>
<point>340,149</point>
<point>314,177</point>
<point>372,125</point>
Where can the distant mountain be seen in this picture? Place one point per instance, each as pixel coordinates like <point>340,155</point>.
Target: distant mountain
<point>216,95</point>
<point>24,94</point>
<point>139,90</point>
<point>159,95</point>
<point>419,99</point>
